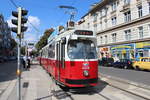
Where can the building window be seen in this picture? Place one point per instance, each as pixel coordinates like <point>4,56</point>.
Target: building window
<point>126,2</point>
<point>95,17</point>
<point>114,20</point>
<point>95,27</point>
<point>88,25</point>
<point>140,11</point>
<point>101,26</point>
<point>105,23</point>
<point>114,6</point>
<point>106,39</point>
<point>149,28</point>
<point>114,35</point>
<point>149,6</point>
<point>101,39</point>
<point>103,12</point>
<point>127,16</point>
<point>140,32</point>
<point>127,34</point>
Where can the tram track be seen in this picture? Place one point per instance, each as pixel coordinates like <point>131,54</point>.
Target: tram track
<point>127,82</point>
<point>107,97</point>
<point>128,90</point>
<point>60,94</point>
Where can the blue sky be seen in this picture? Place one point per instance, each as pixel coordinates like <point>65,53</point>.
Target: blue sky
<point>45,14</point>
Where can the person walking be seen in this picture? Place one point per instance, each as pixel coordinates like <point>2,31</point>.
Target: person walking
<point>28,63</point>
<point>24,62</point>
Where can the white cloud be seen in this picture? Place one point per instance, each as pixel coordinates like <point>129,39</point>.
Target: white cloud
<point>31,34</point>
<point>35,21</point>
<point>30,37</point>
<point>9,21</point>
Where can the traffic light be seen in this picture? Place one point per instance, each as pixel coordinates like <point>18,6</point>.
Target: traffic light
<point>19,22</point>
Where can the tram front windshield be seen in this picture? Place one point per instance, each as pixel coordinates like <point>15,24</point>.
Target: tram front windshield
<point>81,49</point>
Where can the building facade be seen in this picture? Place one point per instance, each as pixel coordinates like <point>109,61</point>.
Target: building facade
<point>5,37</point>
<point>122,27</point>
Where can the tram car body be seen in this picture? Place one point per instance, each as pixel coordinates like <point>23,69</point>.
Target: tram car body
<point>71,58</point>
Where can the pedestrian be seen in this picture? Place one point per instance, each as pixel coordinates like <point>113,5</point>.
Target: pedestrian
<point>28,63</point>
<point>24,62</point>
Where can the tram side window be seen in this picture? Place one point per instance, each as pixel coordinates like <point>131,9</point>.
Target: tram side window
<point>47,52</point>
<point>51,51</point>
<point>44,53</point>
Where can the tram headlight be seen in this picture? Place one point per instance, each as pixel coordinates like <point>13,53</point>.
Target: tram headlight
<point>86,73</point>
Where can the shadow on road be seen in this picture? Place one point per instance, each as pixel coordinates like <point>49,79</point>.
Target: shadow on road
<point>89,90</point>
<point>42,98</point>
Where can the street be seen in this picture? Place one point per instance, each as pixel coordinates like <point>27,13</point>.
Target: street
<point>38,85</point>
<point>7,74</point>
<point>141,77</point>
<point>51,50</point>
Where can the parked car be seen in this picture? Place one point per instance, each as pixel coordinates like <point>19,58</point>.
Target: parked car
<point>106,61</point>
<point>12,58</point>
<point>123,63</point>
<point>143,63</point>
<point>5,58</point>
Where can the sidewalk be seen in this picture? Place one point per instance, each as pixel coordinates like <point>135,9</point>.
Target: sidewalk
<point>36,84</point>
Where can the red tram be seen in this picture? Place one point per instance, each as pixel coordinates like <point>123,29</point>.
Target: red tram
<point>71,58</point>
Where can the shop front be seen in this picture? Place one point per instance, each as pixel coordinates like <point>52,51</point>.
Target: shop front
<point>104,52</point>
<point>142,49</point>
<point>124,51</point>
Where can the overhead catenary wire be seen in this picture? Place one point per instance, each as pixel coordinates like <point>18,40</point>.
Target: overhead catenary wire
<point>13,3</point>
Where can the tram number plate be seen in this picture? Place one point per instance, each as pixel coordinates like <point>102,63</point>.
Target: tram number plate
<point>85,66</point>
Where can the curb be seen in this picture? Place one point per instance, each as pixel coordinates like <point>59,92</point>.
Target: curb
<point>141,85</point>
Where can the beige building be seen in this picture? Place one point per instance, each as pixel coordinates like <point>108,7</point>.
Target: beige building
<point>122,27</point>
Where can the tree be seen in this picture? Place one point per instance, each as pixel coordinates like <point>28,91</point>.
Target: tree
<point>13,44</point>
<point>23,50</point>
<point>60,28</point>
<point>43,41</point>
<point>34,53</point>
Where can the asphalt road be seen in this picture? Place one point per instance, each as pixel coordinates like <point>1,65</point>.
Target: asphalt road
<point>7,71</point>
<point>37,85</point>
<point>7,74</point>
<point>128,74</point>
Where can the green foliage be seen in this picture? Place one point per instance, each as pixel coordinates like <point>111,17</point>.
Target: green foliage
<point>13,43</point>
<point>33,53</point>
<point>60,28</point>
<point>43,41</point>
<point>23,50</point>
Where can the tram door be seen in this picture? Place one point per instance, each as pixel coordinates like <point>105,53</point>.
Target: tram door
<point>60,49</point>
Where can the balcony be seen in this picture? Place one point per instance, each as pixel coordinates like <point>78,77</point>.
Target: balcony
<point>139,2</point>
<point>126,6</point>
<point>113,13</point>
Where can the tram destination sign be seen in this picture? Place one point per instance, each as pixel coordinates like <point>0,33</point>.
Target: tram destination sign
<point>83,32</point>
